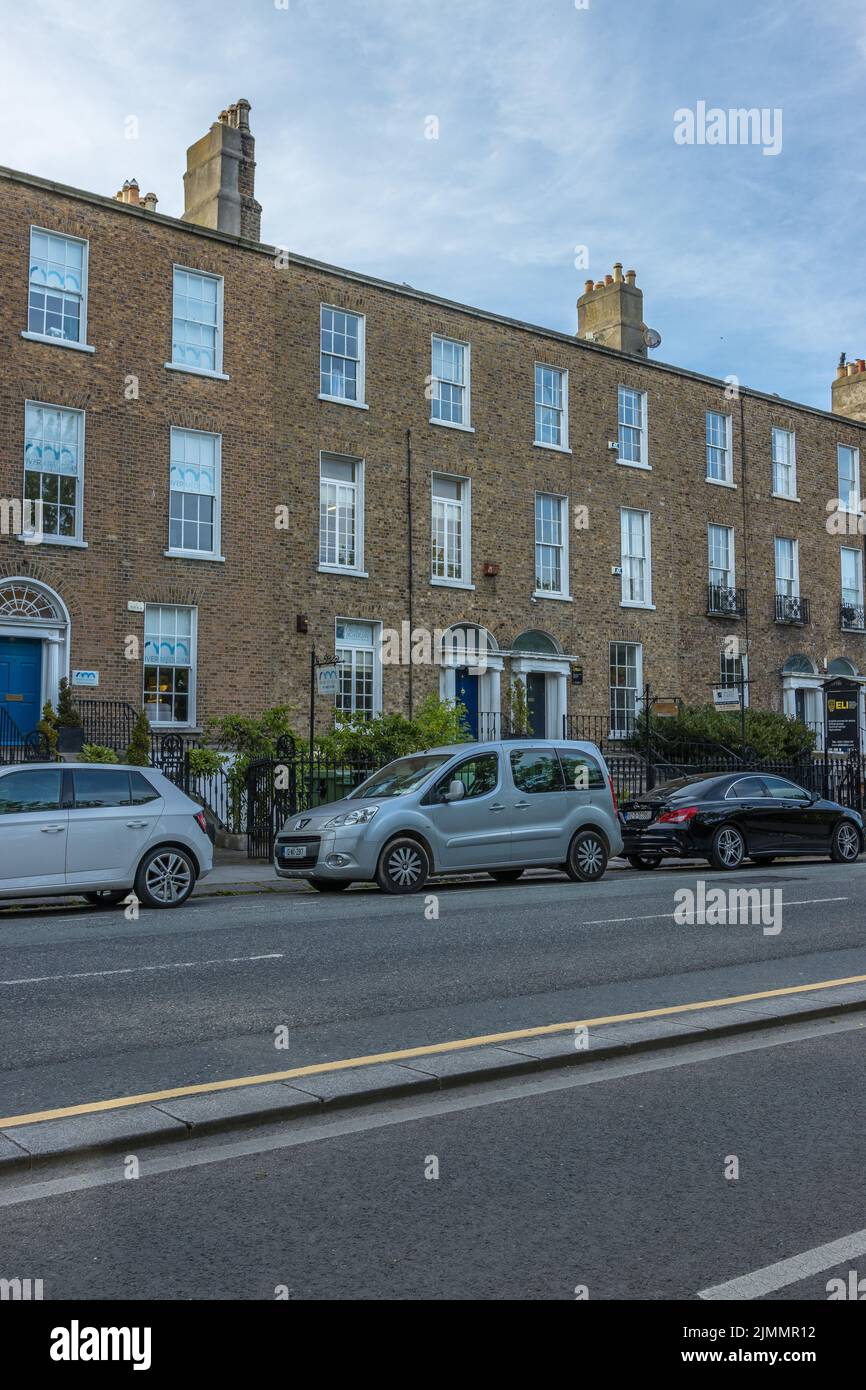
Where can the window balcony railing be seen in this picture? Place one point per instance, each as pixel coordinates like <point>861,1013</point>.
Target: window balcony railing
<point>791,609</point>
<point>723,602</point>
<point>852,617</point>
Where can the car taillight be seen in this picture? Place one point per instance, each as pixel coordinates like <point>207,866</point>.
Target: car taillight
<point>612,792</point>
<point>202,820</point>
<point>681,816</point>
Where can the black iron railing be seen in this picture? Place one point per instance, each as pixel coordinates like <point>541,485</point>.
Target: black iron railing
<point>792,610</point>
<point>852,617</point>
<point>723,602</point>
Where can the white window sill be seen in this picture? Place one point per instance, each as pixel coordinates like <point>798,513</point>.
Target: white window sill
<point>785,497</point>
<point>195,371</point>
<point>720,482</point>
<point>194,555</point>
<point>451,583</point>
<point>452,425</point>
<point>53,540</point>
<point>55,342</point>
<point>173,729</point>
<point>559,598</point>
<point>633,603</point>
<point>557,448</point>
<point>626,463</point>
<point>345,570</point>
<point>343,400</point>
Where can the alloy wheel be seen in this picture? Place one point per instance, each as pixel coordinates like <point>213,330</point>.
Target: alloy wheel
<point>168,877</point>
<point>730,846</point>
<point>848,842</point>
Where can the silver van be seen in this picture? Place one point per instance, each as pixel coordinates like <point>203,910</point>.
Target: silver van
<point>497,808</point>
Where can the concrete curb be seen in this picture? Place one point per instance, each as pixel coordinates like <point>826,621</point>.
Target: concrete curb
<point>25,1148</point>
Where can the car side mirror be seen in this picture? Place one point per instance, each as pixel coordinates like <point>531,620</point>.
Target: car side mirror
<point>456,791</point>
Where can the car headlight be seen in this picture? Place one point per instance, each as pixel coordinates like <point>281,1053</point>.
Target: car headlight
<point>359,817</point>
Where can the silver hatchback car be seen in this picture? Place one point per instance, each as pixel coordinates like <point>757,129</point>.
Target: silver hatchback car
<point>499,808</point>
<point>99,830</point>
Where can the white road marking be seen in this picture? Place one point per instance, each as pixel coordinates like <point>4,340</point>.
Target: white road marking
<point>655,916</point>
<point>773,1277</point>
<point>139,969</point>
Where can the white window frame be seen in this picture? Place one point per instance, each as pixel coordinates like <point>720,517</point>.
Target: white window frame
<point>732,572</point>
<point>638,687</point>
<point>358,464</point>
<point>725,674</point>
<point>78,539</point>
<point>217,374</point>
<point>562,372</point>
<point>216,552</point>
<point>564,591</point>
<point>642,431</point>
<point>788,465</point>
<point>625,557</point>
<point>361,377</point>
<point>726,450</point>
<point>856,510</point>
<point>465,504</point>
<point>376,626</point>
<point>82,345</point>
<point>858,554</point>
<point>782,580</point>
<point>466,423</point>
<point>190,721</point>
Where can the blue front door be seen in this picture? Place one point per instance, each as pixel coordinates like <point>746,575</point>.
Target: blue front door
<point>21,680</point>
<point>466,690</point>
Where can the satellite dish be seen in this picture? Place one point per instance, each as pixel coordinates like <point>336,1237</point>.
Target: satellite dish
<point>652,338</point>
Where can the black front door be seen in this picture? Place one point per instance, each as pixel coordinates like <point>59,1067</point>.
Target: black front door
<point>535,702</point>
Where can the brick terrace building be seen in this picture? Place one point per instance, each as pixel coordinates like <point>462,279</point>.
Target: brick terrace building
<point>240,453</point>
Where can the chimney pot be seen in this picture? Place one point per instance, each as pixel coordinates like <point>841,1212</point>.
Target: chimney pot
<point>631,276</point>
<point>617,272</point>
<point>861,364</point>
<point>608,279</point>
<point>587,287</point>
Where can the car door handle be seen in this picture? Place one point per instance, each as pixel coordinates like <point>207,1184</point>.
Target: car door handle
<point>137,824</point>
<point>521,804</point>
<point>52,829</point>
<point>497,806</point>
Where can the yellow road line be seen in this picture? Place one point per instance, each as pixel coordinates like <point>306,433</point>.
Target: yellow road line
<point>318,1068</point>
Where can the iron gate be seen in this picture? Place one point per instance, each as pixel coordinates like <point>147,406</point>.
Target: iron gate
<point>291,783</point>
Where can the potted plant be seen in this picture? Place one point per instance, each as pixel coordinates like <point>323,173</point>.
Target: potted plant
<point>138,752</point>
<point>70,733</point>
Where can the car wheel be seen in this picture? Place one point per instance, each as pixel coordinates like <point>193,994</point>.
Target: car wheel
<point>845,845</point>
<point>107,897</point>
<point>404,866</point>
<point>329,885</point>
<point>505,875</point>
<point>165,877</point>
<point>644,861</point>
<point>587,857</point>
<point>728,849</point>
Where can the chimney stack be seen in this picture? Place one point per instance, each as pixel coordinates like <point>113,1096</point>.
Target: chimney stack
<point>849,389</point>
<point>219,183</point>
<point>610,312</point>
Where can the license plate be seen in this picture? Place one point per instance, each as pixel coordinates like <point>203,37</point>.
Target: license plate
<point>638,815</point>
<point>295,852</point>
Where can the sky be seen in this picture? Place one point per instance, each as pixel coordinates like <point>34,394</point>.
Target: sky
<point>554,123</point>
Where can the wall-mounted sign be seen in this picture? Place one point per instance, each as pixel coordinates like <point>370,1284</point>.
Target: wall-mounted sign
<point>135,606</point>
<point>666,709</point>
<point>327,679</point>
<point>843,725</point>
<point>85,678</point>
<point>577,675</point>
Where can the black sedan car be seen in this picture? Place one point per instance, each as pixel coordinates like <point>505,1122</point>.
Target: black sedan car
<point>729,818</point>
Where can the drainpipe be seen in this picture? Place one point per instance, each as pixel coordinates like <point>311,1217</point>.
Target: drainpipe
<point>410,565</point>
<point>747,673</point>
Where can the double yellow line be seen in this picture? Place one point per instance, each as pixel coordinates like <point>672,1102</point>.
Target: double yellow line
<point>405,1054</point>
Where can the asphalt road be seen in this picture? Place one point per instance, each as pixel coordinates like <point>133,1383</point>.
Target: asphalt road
<point>93,1006</point>
<point>613,1178</point>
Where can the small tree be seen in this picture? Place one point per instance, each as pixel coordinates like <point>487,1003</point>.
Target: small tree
<point>138,752</point>
<point>518,708</point>
<point>68,716</point>
<point>440,722</point>
<point>48,727</point>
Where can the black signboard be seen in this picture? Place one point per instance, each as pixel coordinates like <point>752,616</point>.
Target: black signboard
<point>576,675</point>
<point>843,725</point>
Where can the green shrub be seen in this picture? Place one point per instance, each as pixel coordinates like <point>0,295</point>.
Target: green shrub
<point>138,752</point>
<point>440,722</point>
<point>68,716</point>
<point>48,726</point>
<point>97,753</point>
<point>248,738</point>
<point>518,708</point>
<point>358,740</point>
<point>205,762</point>
<point>770,735</point>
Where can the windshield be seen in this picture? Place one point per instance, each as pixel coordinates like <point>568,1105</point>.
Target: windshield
<point>398,778</point>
